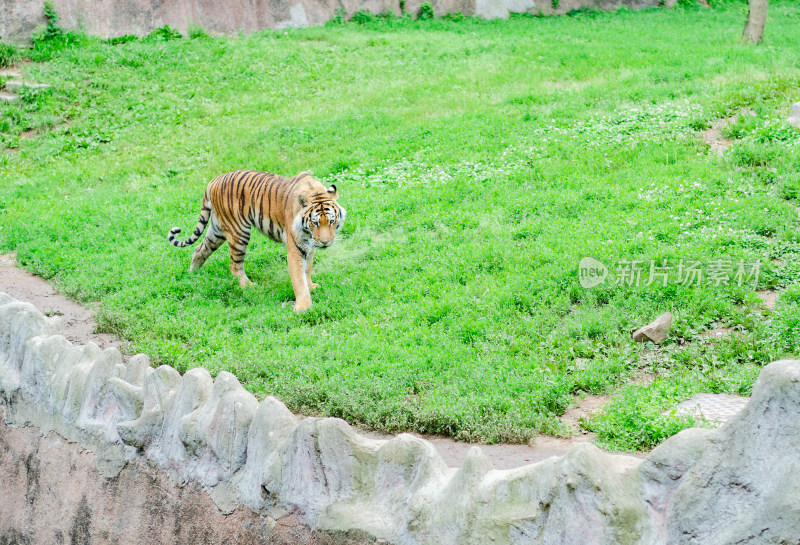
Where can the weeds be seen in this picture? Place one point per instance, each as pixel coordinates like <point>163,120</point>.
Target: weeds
<point>124,39</point>
<point>8,55</point>
<point>425,11</point>
<point>362,17</point>
<point>53,39</point>
<point>163,34</point>
<point>196,32</point>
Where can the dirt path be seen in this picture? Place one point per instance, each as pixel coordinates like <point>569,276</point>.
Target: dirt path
<point>80,328</point>
<point>79,324</point>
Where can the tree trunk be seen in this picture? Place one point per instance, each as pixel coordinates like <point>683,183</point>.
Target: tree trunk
<point>756,19</point>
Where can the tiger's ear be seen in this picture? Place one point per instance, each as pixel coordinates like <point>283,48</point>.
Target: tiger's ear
<point>332,191</point>
<point>302,199</point>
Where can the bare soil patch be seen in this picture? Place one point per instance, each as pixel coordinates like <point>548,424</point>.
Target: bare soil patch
<point>769,298</point>
<point>79,324</point>
<point>717,333</point>
<point>713,136</point>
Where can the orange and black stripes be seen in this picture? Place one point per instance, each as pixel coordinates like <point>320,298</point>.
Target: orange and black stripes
<point>298,212</point>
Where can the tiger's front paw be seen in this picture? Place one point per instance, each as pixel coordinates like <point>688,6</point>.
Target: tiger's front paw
<point>312,286</point>
<point>245,282</point>
<point>300,306</point>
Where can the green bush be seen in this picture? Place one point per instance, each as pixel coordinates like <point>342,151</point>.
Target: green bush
<point>425,11</point>
<point>53,39</point>
<point>337,19</point>
<point>362,17</point>
<point>8,55</point>
<point>196,32</point>
<point>125,38</point>
<point>725,3</point>
<point>52,29</point>
<point>457,16</point>
<point>163,34</point>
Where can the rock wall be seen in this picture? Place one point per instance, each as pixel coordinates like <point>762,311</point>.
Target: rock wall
<point>204,442</point>
<point>54,495</point>
<point>106,18</point>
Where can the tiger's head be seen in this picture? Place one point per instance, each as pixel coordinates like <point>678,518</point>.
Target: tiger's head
<point>320,217</point>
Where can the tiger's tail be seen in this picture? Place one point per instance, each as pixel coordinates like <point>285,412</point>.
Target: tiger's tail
<point>205,214</point>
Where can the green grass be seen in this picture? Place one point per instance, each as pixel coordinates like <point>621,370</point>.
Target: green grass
<point>479,162</point>
<point>8,55</point>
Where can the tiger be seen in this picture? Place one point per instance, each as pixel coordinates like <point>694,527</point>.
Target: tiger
<point>298,212</point>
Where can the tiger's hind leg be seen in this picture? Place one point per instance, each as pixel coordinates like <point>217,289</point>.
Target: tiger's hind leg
<point>213,240</point>
<point>237,244</point>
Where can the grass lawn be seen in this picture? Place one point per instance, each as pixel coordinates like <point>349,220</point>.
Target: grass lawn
<point>479,162</point>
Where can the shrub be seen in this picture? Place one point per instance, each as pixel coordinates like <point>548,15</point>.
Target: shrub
<point>8,54</point>
<point>425,11</point>
<point>337,19</point>
<point>163,34</point>
<point>457,16</point>
<point>362,17</point>
<point>51,29</point>
<point>117,40</point>
<point>52,38</point>
<point>196,32</point>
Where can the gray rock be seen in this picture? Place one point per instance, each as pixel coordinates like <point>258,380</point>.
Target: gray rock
<point>166,448</point>
<point>91,415</point>
<point>137,369</point>
<point>745,487</point>
<point>794,115</point>
<point>216,432</point>
<point>297,18</point>
<point>18,323</point>
<point>123,397</point>
<point>158,388</point>
<point>656,331</point>
<point>70,360</point>
<point>42,355</point>
<point>272,424</point>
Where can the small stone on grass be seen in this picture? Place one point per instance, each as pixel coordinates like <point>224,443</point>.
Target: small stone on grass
<point>794,115</point>
<point>656,331</point>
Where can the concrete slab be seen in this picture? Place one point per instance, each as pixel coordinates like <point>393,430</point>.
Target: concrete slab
<point>716,408</point>
<point>16,85</point>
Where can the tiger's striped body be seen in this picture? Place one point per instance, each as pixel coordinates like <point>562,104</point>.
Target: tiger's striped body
<point>298,212</point>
